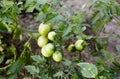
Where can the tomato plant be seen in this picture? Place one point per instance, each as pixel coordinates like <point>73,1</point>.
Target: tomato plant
<point>43,52</point>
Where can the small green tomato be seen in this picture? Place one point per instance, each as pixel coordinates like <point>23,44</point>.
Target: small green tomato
<point>57,56</point>
<point>78,44</point>
<point>44,29</point>
<point>71,48</point>
<point>47,50</point>
<point>42,41</point>
<point>51,35</point>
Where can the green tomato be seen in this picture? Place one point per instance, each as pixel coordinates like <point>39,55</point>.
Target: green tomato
<point>47,50</point>
<point>42,41</point>
<point>51,35</point>
<point>57,56</point>
<point>79,44</point>
<point>71,48</point>
<point>44,29</point>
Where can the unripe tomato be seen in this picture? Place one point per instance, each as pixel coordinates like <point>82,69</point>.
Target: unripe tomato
<point>57,56</point>
<point>47,50</point>
<point>51,35</point>
<point>42,41</point>
<point>79,44</point>
<point>1,49</point>
<point>44,29</point>
<point>71,48</point>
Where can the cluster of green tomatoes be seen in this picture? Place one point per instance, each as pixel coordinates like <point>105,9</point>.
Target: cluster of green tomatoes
<point>45,41</point>
<point>79,45</point>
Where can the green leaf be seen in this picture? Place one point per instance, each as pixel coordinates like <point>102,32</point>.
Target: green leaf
<point>116,63</point>
<point>118,48</point>
<point>31,7</point>
<point>31,69</point>
<point>27,78</point>
<point>75,76</point>
<point>60,73</point>
<point>118,10</point>
<point>16,67</point>
<point>83,28</point>
<point>17,32</point>
<point>46,9</point>
<point>67,31</point>
<point>44,76</point>
<point>28,2</point>
<point>7,3</point>
<point>105,1</point>
<point>99,25</point>
<point>88,70</point>
<point>99,60</point>
<point>102,77</point>
<point>38,59</point>
<point>55,1</point>
<point>42,1</point>
<point>1,77</point>
<point>13,76</point>
<point>13,50</point>
<point>1,58</point>
<point>40,16</point>
<point>53,18</point>
<point>83,7</point>
<point>118,36</point>
<point>67,62</point>
<point>95,17</point>
<point>3,27</point>
<point>106,54</point>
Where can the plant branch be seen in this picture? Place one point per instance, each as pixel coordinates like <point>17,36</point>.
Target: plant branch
<point>111,59</point>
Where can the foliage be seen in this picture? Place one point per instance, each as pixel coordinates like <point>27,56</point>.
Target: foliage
<point>16,49</point>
